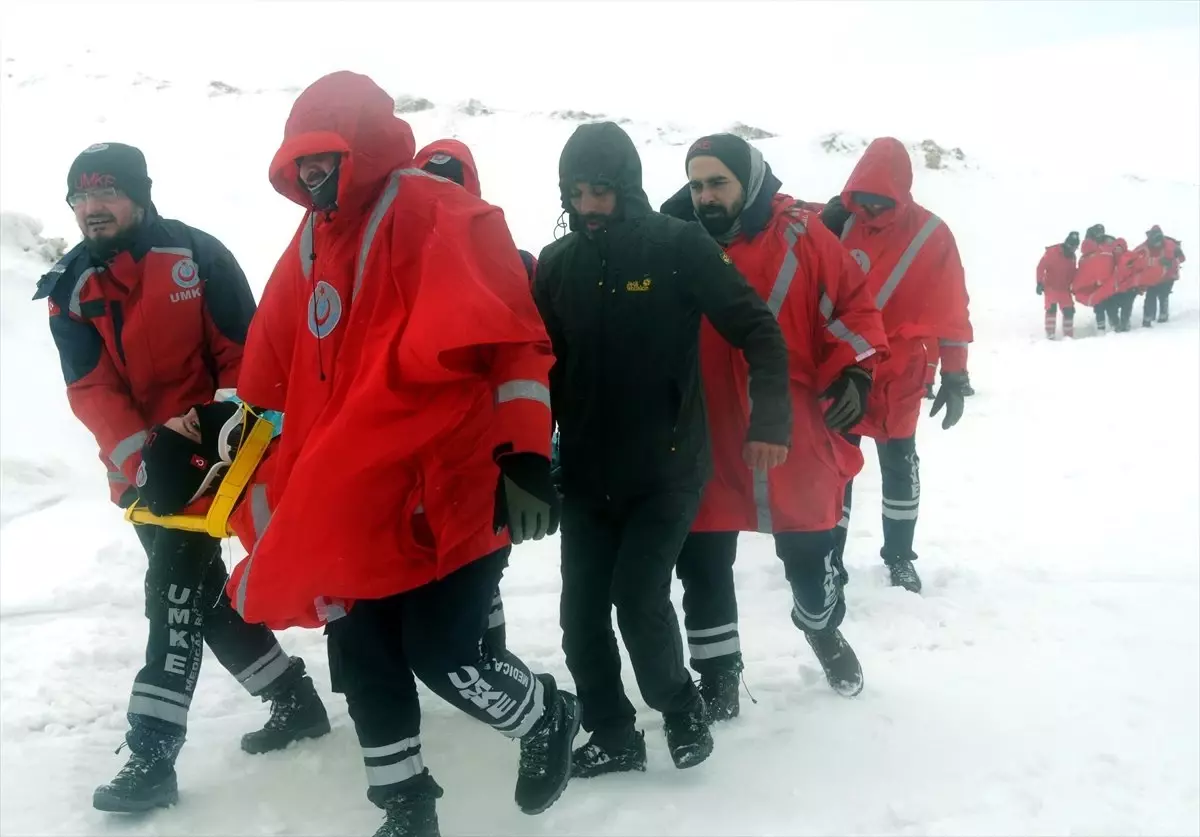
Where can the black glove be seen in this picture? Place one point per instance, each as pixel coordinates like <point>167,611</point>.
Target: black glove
<point>1040,289</point>
<point>951,395</point>
<point>526,501</point>
<point>849,393</point>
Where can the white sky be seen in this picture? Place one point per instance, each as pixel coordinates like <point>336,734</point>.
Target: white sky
<point>1110,83</point>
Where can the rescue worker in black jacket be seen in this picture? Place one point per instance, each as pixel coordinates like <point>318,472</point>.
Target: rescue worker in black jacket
<point>622,296</point>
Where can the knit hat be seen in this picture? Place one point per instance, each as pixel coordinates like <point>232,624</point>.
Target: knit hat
<point>731,150</point>
<point>176,471</point>
<point>111,164</point>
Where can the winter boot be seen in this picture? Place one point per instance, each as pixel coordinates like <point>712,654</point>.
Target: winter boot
<point>688,737</point>
<point>147,781</point>
<point>904,574</point>
<point>720,692</point>
<point>1164,306</point>
<point>296,712</point>
<point>545,765</point>
<point>836,657</point>
<point>602,755</point>
<point>412,812</point>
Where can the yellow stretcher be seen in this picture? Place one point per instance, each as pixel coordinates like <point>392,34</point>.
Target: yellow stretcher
<point>216,521</point>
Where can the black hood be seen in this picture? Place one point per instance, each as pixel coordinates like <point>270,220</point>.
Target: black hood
<point>600,152</point>
<point>755,215</point>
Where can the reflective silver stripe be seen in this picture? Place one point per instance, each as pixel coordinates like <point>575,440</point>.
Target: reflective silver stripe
<point>329,610</point>
<point>173,251</point>
<point>787,270</point>
<point>392,749</point>
<point>529,390</point>
<point>762,501</point>
<point>127,447</point>
<point>906,260</point>
<point>249,670</point>
<point>305,246</point>
<point>154,708</point>
<point>841,331</point>
<point>390,774</point>
<point>956,343</point>
<point>260,509</point>
<point>715,649</point>
<point>849,225</point>
<point>74,305</point>
<point>535,713</point>
<point>899,514</point>
<point>117,476</point>
<point>701,633</point>
<point>381,207</point>
<point>814,621</point>
<point>267,675</point>
<point>902,503</point>
<point>156,691</point>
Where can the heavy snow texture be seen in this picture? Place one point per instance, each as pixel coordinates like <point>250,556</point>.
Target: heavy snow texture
<point>1047,682</point>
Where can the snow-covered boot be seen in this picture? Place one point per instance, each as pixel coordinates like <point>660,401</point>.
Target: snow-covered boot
<point>296,712</point>
<point>904,574</point>
<point>545,766</point>
<point>720,692</point>
<point>602,755</point>
<point>147,780</point>
<point>411,811</point>
<point>688,737</point>
<point>837,659</point>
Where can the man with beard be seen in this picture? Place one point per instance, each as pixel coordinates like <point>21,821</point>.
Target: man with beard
<point>622,296</point>
<point>835,338</point>
<point>149,316</point>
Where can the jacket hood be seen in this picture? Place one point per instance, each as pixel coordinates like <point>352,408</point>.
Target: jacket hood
<point>351,115</point>
<point>885,169</point>
<point>756,213</point>
<point>600,152</point>
<point>454,150</point>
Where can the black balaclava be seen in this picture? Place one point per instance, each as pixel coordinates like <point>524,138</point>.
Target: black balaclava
<point>324,193</point>
<point>176,471</point>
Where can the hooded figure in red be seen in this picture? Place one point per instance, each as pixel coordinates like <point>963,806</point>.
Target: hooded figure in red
<point>1055,275</point>
<point>835,339</point>
<point>1157,262</point>
<point>1103,276</point>
<point>916,278</point>
<point>398,335</point>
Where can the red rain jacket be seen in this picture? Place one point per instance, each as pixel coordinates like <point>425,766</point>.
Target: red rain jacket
<point>399,337</point>
<point>1149,262</point>
<point>1096,278</point>
<point>829,322</point>
<point>916,277</point>
<point>1056,273</point>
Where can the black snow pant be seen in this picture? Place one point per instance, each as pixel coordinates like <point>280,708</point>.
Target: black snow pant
<point>187,607</point>
<point>1157,303</point>
<point>622,556</point>
<point>1123,305</point>
<point>710,601</point>
<point>900,469</point>
<point>435,633</point>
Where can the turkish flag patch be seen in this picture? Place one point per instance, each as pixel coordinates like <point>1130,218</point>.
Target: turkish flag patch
<point>54,309</point>
<point>199,462</point>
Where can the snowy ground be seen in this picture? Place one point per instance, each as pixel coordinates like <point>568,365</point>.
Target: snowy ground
<point>1047,682</point>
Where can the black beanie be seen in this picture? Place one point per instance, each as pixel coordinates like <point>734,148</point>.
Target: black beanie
<point>1072,239</point>
<point>731,150</point>
<point>443,165</point>
<point>111,164</point>
<point>176,471</point>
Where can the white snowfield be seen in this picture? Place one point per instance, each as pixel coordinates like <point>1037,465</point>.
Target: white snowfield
<point>1046,682</point>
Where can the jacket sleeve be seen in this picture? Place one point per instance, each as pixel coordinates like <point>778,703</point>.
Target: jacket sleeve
<point>266,361</point>
<point>953,326</point>
<point>742,318</point>
<point>98,394</point>
<point>228,306</point>
<point>1043,265</point>
<point>543,297</point>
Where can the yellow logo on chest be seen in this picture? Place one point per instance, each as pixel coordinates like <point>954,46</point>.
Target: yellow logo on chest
<point>637,286</point>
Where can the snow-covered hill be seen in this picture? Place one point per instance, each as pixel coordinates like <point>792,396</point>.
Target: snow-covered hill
<point>1046,682</point>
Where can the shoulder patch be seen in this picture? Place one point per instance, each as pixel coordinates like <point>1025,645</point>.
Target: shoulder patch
<point>725,257</point>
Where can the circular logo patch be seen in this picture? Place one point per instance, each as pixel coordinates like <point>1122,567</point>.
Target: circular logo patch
<point>864,261</point>
<point>185,274</point>
<point>440,159</point>
<point>140,478</point>
<point>324,310</point>
<point>91,149</point>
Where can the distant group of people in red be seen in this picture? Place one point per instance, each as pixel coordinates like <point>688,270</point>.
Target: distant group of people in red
<point>1107,278</point>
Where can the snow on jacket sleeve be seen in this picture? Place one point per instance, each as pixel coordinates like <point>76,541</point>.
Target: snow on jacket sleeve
<point>741,317</point>
<point>229,307</point>
<point>953,324</point>
<point>271,335</point>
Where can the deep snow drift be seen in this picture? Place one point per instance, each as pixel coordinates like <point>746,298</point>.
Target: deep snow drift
<point>1046,682</point>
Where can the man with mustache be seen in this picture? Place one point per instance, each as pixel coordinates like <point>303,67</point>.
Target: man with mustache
<point>622,296</point>
<point>149,316</point>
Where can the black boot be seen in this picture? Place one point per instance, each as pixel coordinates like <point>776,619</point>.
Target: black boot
<point>929,393</point>
<point>837,658</point>
<point>904,574</point>
<point>601,755</point>
<point>545,765</point>
<point>412,812</point>
<point>720,692</point>
<point>296,712</point>
<point>688,737</point>
<point>147,780</point>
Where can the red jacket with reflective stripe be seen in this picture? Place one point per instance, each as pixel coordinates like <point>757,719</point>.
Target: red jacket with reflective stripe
<point>1149,262</point>
<point>1056,270</point>
<point>404,356</point>
<point>144,337</point>
<point>829,322</point>
<point>916,277</point>
<point>1096,278</point>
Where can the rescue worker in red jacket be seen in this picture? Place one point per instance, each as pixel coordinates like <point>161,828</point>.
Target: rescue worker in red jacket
<point>1095,282</point>
<point>1159,258</point>
<point>1055,274</point>
<point>835,337</point>
<point>916,277</point>
<point>149,316</point>
<point>398,335</point>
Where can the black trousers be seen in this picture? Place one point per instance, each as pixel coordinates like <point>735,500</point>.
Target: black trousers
<point>1157,302</point>
<point>186,607</point>
<point>435,633</point>
<point>900,470</point>
<point>710,613</point>
<point>622,556</point>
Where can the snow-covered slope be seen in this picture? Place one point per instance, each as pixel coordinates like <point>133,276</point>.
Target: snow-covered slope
<point>1046,682</point>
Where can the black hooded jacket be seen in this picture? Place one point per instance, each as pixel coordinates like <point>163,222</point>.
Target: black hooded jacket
<point>623,309</point>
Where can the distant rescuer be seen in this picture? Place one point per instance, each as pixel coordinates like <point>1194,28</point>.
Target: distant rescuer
<point>149,316</point>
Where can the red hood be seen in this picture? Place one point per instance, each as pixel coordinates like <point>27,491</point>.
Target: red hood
<point>456,150</point>
<point>352,115</point>
<point>885,169</point>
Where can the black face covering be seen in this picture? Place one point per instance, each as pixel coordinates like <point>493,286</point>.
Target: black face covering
<point>176,471</point>
<point>324,193</point>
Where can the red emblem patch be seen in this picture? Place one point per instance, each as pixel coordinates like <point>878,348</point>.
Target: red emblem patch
<point>199,462</point>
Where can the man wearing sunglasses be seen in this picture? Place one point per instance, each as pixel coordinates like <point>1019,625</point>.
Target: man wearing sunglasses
<point>149,317</point>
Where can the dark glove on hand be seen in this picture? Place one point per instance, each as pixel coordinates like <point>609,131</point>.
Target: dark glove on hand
<point>951,395</point>
<point>849,393</point>
<point>526,501</point>
<point>1040,288</point>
